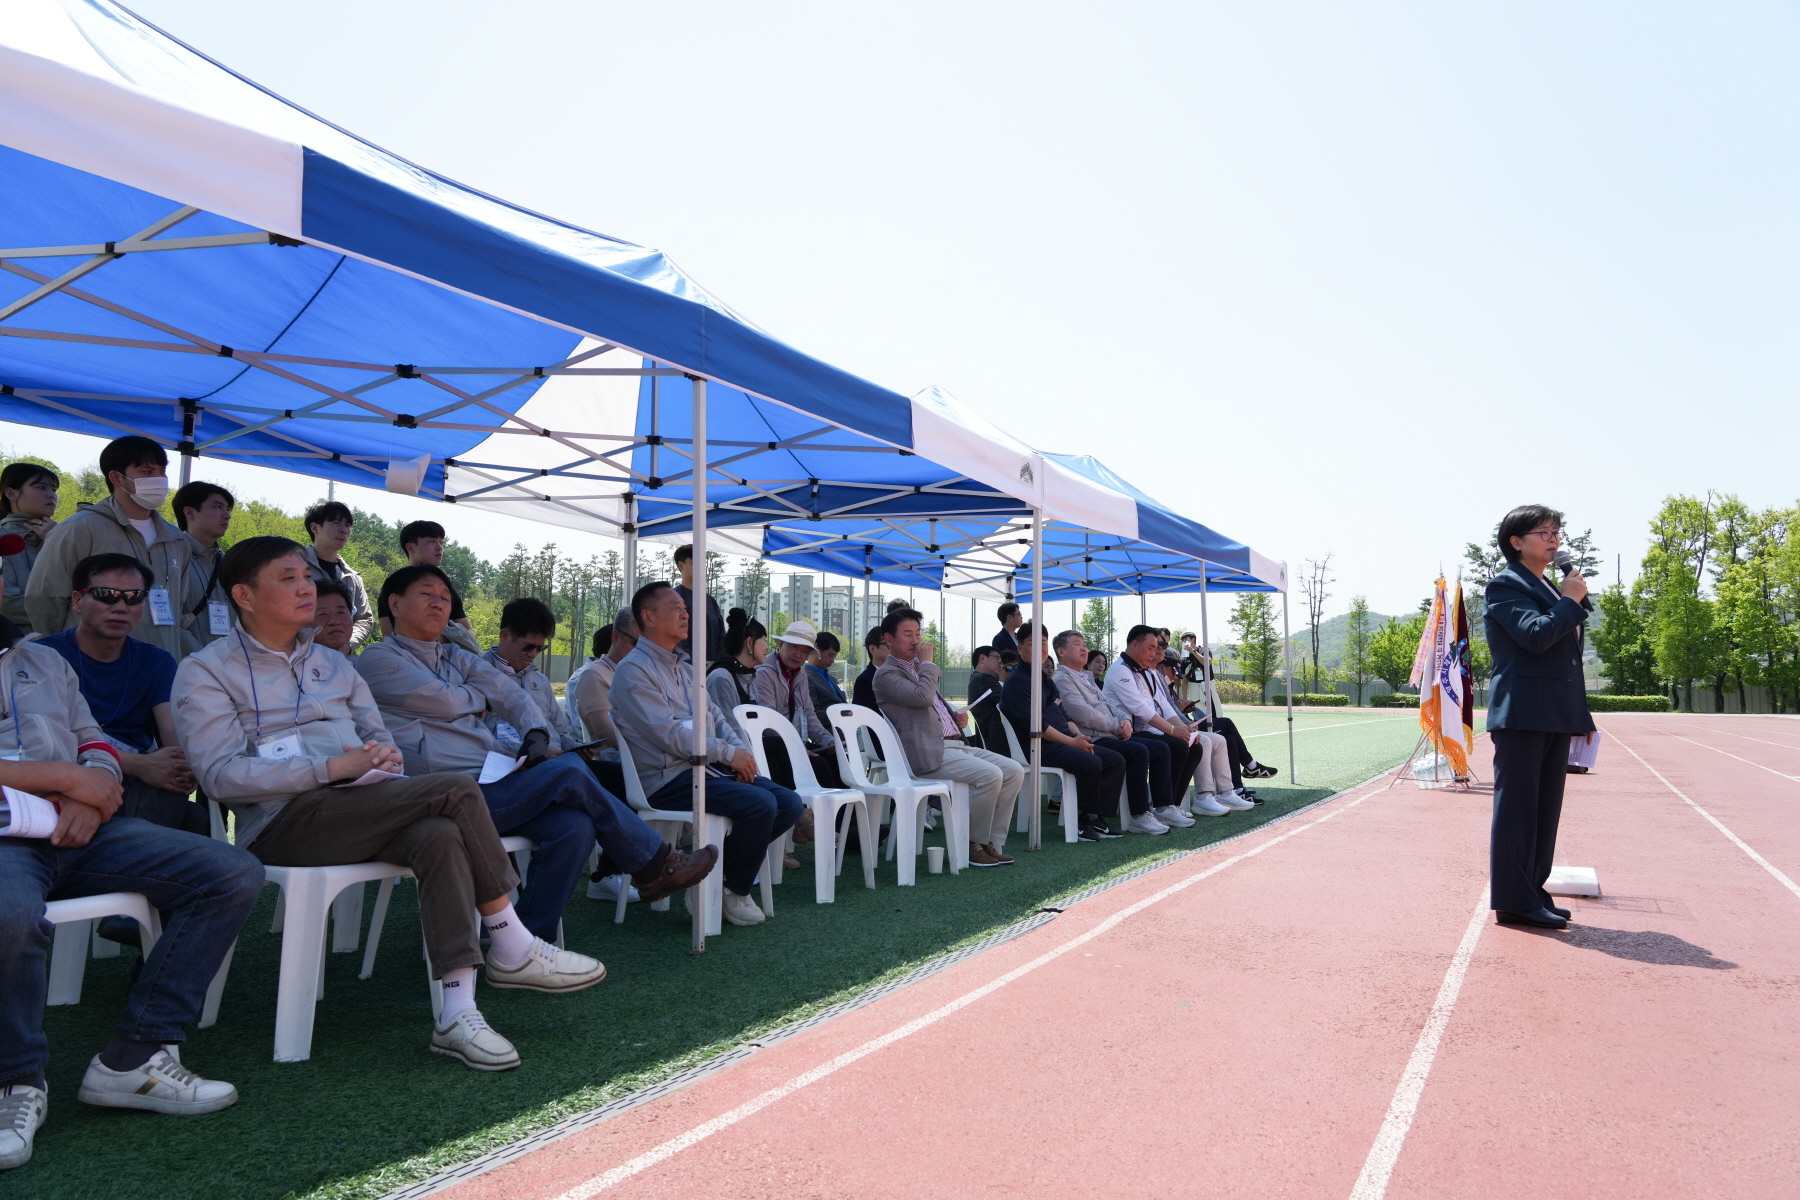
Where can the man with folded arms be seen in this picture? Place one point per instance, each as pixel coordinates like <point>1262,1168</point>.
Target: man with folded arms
<point>652,711</point>
<point>1135,689</point>
<point>279,730</point>
<point>1098,772</point>
<point>907,688</point>
<point>433,696</point>
<point>64,840</point>
<point>1147,788</point>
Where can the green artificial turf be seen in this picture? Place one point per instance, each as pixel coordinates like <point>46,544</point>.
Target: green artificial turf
<point>373,1110</point>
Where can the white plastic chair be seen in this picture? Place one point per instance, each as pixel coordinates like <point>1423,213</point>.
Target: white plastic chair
<point>909,794</point>
<point>1071,822</point>
<point>74,919</point>
<point>716,830</point>
<point>826,803</point>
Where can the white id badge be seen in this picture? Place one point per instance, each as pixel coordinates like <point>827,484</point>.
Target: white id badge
<point>161,611</point>
<point>218,618</point>
<point>279,745</point>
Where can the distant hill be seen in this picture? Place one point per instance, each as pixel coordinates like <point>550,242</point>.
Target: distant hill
<point>1331,639</point>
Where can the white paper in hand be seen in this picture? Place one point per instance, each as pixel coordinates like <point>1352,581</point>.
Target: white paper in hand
<point>32,816</point>
<point>499,766</point>
<point>374,776</point>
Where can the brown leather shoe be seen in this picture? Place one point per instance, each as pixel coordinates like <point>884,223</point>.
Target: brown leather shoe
<point>679,870</point>
<point>1001,857</point>
<point>803,828</point>
<point>789,863</point>
<point>982,856</point>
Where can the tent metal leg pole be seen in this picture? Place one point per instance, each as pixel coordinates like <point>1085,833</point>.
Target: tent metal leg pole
<point>1143,609</point>
<point>868,554</point>
<point>631,548</point>
<point>1208,692</point>
<point>1287,658</point>
<point>1032,660</point>
<point>697,631</point>
<point>974,638</point>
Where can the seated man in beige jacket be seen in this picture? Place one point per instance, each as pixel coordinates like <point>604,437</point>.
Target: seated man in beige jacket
<point>929,729</point>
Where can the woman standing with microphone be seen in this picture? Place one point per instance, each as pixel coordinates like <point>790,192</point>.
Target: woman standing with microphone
<point>1536,702</point>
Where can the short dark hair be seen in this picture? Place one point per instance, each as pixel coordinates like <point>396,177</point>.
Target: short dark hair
<point>827,641</point>
<point>1062,639</point>
<point>246,560</point>
<point>1139,633</point>
<point>99,564</point>
<point>890,624</point>
<point>1521,521</point>
<point>684,554</point>
<point>873,637</point>
<point>193,495</point>
<point>528,615</point>
<point>403,579</point>
<point>18,474</point>
<point>1009,609</point>
<point>330,587</point>
<point>898,602</point>
<point>328,510</point>
<point>602,642</point>
<point>1026,632</point>
<point>641,598</point>
<point>412,531</point>
<point>1009,659</point>
<point>982,652</point>
<point>121,454</point>
<point>1092,655</point>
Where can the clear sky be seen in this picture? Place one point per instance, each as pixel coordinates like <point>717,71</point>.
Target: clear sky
<point>1347,278</point>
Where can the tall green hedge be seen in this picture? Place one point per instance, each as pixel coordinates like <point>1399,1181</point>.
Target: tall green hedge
<point>1314,700</point>
<point>1603,703</point>
<point>1394,700</point>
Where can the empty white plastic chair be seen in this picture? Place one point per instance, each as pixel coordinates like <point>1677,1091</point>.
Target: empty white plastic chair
<point>716,829</point>
<point>74,919</point>
<point>909,794</point>
<point>826,803</point>
<point>1070,820</point>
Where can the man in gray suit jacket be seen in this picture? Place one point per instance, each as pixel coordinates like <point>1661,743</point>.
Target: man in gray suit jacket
<point>906,687</point>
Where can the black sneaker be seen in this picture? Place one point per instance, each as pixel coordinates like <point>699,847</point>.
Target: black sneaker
<point>1096,830</point>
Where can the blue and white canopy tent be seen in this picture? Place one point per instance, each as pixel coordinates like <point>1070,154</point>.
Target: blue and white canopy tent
<point>186,256</point>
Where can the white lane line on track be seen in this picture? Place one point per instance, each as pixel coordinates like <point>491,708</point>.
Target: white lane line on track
<point>1737,841</point>
<point>1339,725</point>
<point>1764,741</point>
<point>1728,754</point>
<point>1378,1168</point>
<point>699,1133</point>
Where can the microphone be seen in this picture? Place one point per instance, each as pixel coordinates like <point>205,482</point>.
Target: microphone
<point>11,544</point>
<point>1565,563</point>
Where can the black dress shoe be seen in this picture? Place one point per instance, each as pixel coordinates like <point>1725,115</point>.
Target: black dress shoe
<point>1537,918</point>
<point>1561,912</point>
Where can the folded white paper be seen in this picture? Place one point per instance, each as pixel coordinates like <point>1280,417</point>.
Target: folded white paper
<point>31,816</point>
<point>499,766</point>
<point>374,776</point>
<point>1585,751</point>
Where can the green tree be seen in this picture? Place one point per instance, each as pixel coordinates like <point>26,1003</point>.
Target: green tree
<point>1257,652</point>
<point>1359,637</point>
<point>1097,625</point>
<point>1393,647</point>
<point>1313,585</point>
<point>1622,640</point>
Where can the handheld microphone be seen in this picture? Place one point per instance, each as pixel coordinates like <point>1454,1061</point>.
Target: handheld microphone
<point>1565,562</point>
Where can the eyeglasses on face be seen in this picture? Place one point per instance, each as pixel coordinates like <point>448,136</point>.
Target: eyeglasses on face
<point>128,596</point>
<point>1554,535</point>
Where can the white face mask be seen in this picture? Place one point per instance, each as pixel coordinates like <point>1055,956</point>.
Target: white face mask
<point>150,491</point>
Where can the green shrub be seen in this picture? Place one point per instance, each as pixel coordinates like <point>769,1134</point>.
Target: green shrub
<point>1600,703</point>
<point>1314,700</point>
<point>1394,700</point>
<point>1236,691</point>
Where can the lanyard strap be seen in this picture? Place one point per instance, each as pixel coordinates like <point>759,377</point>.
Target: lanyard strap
<point>212,581</point>
<point>255,703</point>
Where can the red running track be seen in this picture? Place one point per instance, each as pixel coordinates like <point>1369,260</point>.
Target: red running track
<point>1239,1023</point>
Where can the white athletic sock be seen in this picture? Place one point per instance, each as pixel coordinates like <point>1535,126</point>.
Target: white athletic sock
<point>510,940</point>
<point>459,993</point>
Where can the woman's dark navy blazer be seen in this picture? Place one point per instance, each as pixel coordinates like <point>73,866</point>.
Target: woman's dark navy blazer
<point>1534,635</point>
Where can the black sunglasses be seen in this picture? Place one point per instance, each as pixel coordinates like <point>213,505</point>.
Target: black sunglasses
<point>129,596</point>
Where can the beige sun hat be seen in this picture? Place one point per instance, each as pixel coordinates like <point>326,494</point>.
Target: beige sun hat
<point>801,633</point>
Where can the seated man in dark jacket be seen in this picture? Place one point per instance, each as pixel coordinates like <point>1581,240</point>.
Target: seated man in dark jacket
<point>1098,772</point>
<point>984,699</point>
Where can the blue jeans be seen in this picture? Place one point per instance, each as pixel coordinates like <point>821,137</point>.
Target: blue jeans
<point>561,806</point>
<point>205,888</point>
<point>760,811</point>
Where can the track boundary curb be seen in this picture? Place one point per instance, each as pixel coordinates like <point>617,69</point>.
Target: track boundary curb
<point>579,1122</point>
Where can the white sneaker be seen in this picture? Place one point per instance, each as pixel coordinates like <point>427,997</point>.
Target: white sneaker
<point>161,1085</point>
<point>1144,823</point>
<point>1173,817</point>
<point>1233,800</point>
<point>22,1109</point>
<point>607,889</point>
<point>742,910</point>
<point>547,969</point>
<point>1205,804</point>
<point>469,1037</point>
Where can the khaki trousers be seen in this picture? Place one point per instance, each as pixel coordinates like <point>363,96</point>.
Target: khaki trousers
<point>993,781</point>
<point>437,826</point>
<point>1214,773</point>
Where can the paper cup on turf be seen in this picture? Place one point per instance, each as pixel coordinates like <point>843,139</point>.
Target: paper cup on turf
<point>934,859</point>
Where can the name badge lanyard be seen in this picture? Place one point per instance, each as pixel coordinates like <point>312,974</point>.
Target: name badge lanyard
<point>255,703</point>
<point>212,582</point>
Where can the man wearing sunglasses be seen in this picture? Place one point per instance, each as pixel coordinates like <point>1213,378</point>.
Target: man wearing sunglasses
<point>526,627</point>
<point>126,684</point>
